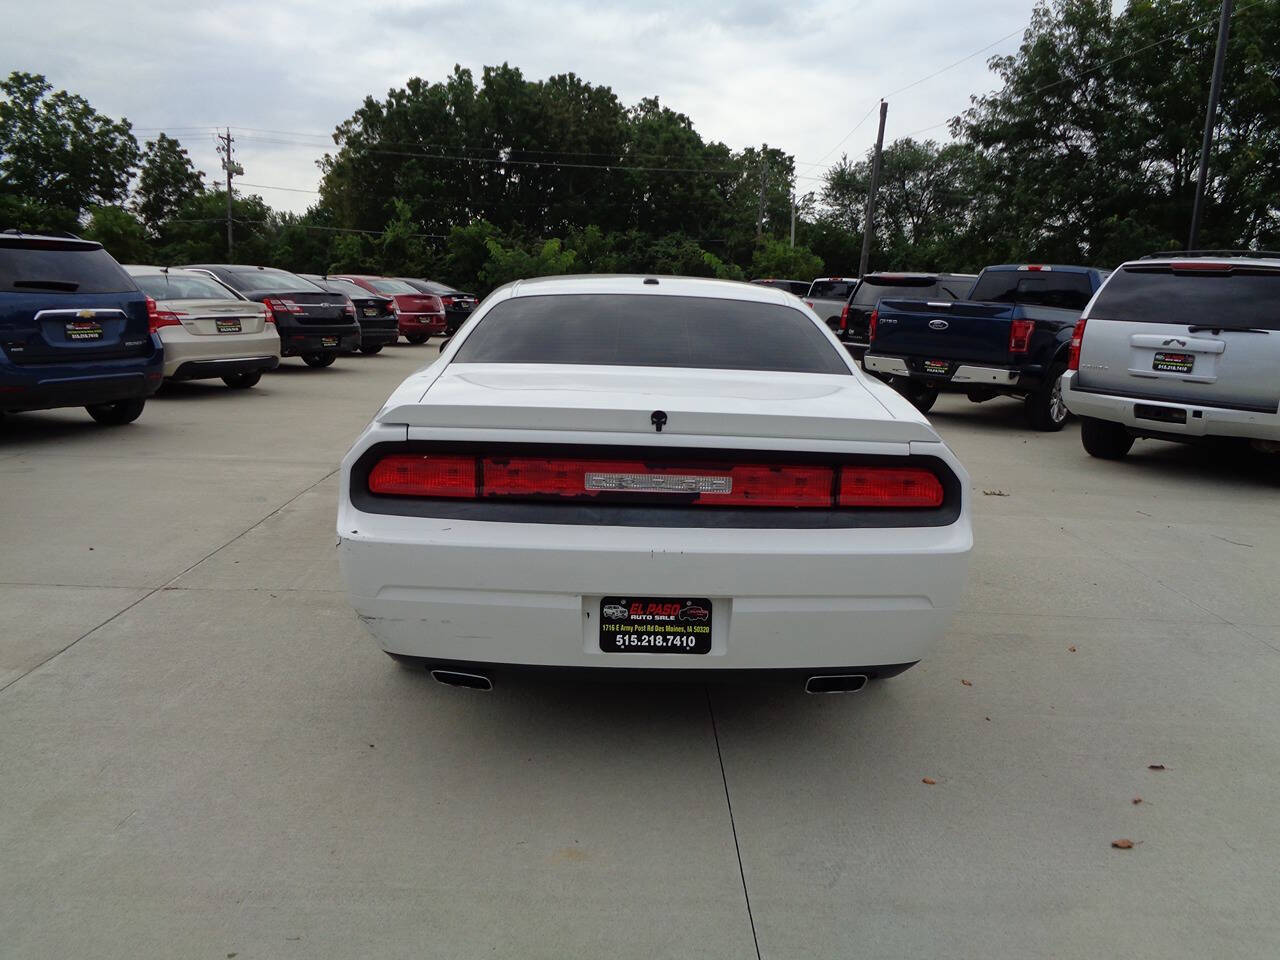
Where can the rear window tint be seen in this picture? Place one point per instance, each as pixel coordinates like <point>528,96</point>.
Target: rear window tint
<point>270,281</point>
<point>1069,291</point>
<point>870,290</point>
<point>831,289</point>
<point>61,270</point>
<point>651,331</point>
<point>176,286</point>
<point>392,286</point>
<point>1242,298</point>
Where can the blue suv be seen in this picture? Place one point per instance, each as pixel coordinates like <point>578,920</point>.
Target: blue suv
<point>74,330</point>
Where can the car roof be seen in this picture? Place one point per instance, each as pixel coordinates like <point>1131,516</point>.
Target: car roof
<point>649,285</point>
<point>1263,258</point>
<point>141,269</point>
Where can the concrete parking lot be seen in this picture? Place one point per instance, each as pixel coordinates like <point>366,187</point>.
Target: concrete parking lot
<point>203,755</point>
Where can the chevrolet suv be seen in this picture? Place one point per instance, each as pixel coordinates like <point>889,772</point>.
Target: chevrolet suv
<point>74,330</point>
<point>1179,346</point>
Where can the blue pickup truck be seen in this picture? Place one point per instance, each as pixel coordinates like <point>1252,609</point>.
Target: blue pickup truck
<point>1010,337</point>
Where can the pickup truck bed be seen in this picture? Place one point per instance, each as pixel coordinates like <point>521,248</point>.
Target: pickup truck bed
<point>1011,339</point>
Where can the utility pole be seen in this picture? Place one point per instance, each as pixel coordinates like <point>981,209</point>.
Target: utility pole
<point>793,218</point>
<point>233,169</point>
<point>871,194</point>
<point>1210,120</point>
<point>764,177</point>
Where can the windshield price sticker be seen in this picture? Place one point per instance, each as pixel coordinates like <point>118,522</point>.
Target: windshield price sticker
<point>655,624</point>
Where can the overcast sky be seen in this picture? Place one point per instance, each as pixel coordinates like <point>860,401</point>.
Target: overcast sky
<point>282,74</point>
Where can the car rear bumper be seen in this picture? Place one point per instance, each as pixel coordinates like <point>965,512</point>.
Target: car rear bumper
<point>381,334</point>
<point>530,594</point>
<point>340,340</point>
<point>1169,417</point>
<point>422,322</point>
<point>52,392</point>
<point>964,375</point>
<point>190,357</point>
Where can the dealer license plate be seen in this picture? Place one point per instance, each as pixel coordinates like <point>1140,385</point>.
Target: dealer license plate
<point>1173,362</point>
<point>937,368</point>
<point>228,326</point>
<point>84,330</point>
<point>633,624</point>
<point>370,311</point>
<point>328,341</point>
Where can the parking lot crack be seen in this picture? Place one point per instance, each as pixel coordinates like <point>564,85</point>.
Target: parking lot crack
<point>733,826</point>
<point>174,579</point>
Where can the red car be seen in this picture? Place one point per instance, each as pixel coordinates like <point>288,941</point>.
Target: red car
<point>421,314</point>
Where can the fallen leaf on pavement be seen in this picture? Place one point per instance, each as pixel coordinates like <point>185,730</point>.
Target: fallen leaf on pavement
<point>1137,800</point>
<point>929,780</point>
<point>967,683</point>
<point>1071,649</point>
<point>1122,844</point>
<point>1155,766</point>
<point>994,493</point>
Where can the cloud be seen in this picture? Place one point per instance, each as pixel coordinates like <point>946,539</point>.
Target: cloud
<point>796,76</point>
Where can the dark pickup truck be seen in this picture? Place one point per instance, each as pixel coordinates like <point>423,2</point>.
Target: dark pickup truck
<point>1010,338</point>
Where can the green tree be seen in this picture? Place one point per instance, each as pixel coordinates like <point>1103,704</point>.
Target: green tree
<point>120,232</point>
<point>166,181</point>
<point>198,234</point>
<point>774,258</point>
<point>515,263</point>
<point>56,150</point>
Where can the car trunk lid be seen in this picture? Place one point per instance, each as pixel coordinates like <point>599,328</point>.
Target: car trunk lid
<point>630,400</point>
<point>216,317</point>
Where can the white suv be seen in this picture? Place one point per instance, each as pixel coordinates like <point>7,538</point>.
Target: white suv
<point>1179,346</point>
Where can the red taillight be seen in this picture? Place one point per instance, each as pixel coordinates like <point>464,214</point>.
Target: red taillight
<point>1077,340</point>
<point>280,305</point>
<point>157,318</point>
<point>889,487</point>
<point>447,301</point>
<point>267,315</point>
<point>417,476</point>
<point>844,318</point>
<point>349,310</point>
<point>1020,335</point>
<point>797,486</point>
<point>809,304</point>
<point>871,324</point>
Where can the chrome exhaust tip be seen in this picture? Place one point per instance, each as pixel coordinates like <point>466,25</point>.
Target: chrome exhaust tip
<point>836,683</point>
<point>455,678</point>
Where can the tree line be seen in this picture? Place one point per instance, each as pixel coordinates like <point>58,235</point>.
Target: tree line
<point>1086,153</point>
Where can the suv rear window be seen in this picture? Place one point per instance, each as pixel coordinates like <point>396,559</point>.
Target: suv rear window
<point>1068,291</point>
<point>1241,298</point>
<point>61,268</point>
<point>831,289</point>
<point>871,289</point>
<point>651,331</point>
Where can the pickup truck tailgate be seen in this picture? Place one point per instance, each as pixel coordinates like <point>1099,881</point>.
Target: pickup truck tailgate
<point>944,330</point>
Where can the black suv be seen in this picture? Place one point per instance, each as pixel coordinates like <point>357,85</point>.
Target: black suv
<point>74,330</point>
<point>313,324</point>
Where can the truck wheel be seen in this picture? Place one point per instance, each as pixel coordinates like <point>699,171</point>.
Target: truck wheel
<point>369,349</point>
<point>243,381</point>
<point>319,359</point>
<point>1046,410</point>
<point>922,398</point>
<point>417,337</point>
<point>1104,439</point>
<point>118,413</point>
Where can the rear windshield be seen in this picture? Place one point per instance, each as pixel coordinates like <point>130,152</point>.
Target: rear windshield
<point>1242,298</point>
<point>831,289</point>
<point>176,286</point>
<point>61,270</point>
<point>1069,291</point>
<point>351,289</point>
<point>392,286</point>
<point>870,290</point>
<point>651,331</point>
<point>270,281</point>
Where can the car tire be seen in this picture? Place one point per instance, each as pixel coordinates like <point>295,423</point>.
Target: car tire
<point>1104,439</point>
<point>1046,410</point>
<point>318,360</point>
<point>243,381</point>
<point>118,413</point>
<point>369,349</point>
<point>921,397</point>
<point>417,338</point>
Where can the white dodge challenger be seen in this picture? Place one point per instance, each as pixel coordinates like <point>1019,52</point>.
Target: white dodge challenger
<point>674,476</point>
